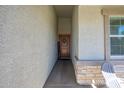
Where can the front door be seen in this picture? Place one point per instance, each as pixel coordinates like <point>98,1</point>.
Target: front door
<point>64,46</point>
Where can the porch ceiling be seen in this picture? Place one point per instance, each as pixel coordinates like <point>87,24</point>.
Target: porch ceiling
<point>67,10</point>
<point>120,7</point>
<point>64,10</point>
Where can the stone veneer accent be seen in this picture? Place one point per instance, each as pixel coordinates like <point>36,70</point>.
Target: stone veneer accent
<point>89,72</point>
<point>119,69</point>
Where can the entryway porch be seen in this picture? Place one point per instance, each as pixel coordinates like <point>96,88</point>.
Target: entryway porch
<point>63,76</point>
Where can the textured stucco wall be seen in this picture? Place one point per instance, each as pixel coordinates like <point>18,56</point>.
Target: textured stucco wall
<point>75,33</point>
<point>91,33</point>
<point>64,25</point>
<point>27,45</point>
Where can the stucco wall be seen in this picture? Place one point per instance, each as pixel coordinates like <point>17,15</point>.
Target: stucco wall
<point>64,25</point>
<point>27,45</point>
<point>91,33</point>
<point>75,33</point>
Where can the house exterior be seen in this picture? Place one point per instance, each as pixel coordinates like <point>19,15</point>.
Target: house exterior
<point>96,42</point>
<point>29,35</point>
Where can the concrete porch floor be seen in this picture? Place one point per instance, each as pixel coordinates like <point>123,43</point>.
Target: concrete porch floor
<point>63,76</point>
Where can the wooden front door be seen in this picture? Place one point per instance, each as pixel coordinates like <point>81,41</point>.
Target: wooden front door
<point>64,46</point>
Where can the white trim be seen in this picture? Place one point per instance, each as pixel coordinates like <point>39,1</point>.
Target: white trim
<point>117,57</point>
<point>116,35</point>
<point>116,16</point>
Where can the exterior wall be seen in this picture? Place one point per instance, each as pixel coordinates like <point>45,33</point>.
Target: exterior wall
<point>88,44</point>
<point>74,34</point>
<point>27,45</point>
<point>89,72</point>
<point>90,56</point>
<point>117,63</point>
<point>91,33</point>
<point>64,25</point>
<point>119,69</point>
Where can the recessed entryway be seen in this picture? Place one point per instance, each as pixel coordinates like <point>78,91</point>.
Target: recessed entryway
<point>63,74</point>
<point>64,27</point>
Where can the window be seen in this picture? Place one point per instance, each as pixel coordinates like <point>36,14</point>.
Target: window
<point>117,37</point>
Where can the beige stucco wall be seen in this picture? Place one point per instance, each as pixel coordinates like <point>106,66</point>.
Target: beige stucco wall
<point>90,44</point>
<point>91,33</point>
<point>75,33</point>
<point>64,25</point>
<point>27,45</point>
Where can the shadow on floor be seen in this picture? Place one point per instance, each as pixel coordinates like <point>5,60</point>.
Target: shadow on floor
<point>63,76</point>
